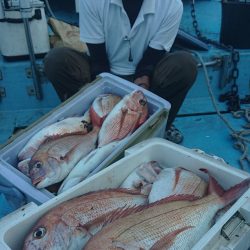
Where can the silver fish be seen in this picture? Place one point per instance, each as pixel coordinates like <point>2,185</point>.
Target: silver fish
<point>86,165</point>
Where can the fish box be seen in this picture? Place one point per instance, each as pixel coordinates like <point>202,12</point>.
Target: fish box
<point>169,155</point>
<point>76,106</point>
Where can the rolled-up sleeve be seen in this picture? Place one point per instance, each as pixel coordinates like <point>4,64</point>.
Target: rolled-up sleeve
<point>165,36</point>
<point>90,22</point>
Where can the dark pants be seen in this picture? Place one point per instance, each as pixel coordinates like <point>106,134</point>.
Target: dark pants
<point>173,76</point>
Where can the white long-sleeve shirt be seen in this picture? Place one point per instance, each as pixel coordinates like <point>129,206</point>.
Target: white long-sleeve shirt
<point>105,21</point>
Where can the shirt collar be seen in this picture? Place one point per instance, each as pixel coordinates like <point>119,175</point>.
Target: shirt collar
<point>117,2</point>
<point>148,6</point>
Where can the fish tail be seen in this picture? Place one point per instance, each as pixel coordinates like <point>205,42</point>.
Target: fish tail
<point>229,195</point>
<point>236,191</point>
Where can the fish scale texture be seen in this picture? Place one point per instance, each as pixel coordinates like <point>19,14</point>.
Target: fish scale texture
<point>76,217</point>
<point>177,182</point>
<point>125,117</point>
<point>146,228</point>
<point>57,158</point>
<point>66,126</point>
<point>101,107</point>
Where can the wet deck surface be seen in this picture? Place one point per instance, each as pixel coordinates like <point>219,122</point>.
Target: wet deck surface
<point>210,134</point>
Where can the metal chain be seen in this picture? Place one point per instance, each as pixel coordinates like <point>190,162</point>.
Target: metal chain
<point>235,70</point>
<point>232,97</point>
<point>241,142</point>
<point>239,136</point>
<point>199,34</point>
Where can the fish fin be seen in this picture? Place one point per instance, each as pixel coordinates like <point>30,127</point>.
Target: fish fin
<point>122,212</point>
<point>66,157</point>
<point>236,191</point>
<point>128,191</point>
<point>81,234</point>
<point>74,148</point>
<point>84,231</point>
<point>178,197</point>
<point>121,190</point>
<point>59,136</point>
<point>137,123</point>
<point>123,115</point>
<point>118,213</point>
<point>177,177</point>
<point>168,240</point>
<point>229,195</point>
<point>213,185</point>
<point>126,246</point>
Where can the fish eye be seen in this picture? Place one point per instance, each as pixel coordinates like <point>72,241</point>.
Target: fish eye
<point>85,124</point>
<point>88,126</point>
<point>38,164</point>
<point>142,102</point>
<point>39,233</point>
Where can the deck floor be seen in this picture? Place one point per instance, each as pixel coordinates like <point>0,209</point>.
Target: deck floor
<point>210,134</point>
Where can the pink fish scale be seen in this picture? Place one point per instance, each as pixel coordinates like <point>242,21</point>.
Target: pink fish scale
<point>126,116</point>
<point>162,224</point>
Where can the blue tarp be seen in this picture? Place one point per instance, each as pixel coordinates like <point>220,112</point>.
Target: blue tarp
<point>10,200</point>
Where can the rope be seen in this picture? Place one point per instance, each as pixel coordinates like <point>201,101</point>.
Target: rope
<point>49,9</point>
<point>241,141</point>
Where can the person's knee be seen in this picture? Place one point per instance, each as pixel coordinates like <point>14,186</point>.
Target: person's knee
<point>188,66</point>
<point>53,61</point>
<point>176,67</point>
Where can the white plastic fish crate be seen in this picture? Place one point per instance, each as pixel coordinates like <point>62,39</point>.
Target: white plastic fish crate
<point>76,106</point>
<point>168,154</point>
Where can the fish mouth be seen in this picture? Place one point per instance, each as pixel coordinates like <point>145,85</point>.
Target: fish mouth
<point>37,181</point>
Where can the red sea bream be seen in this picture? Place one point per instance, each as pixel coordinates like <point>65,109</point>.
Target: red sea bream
<point>177,181</point>
<point>72,223</point>
<point>125,118</point>
<point>56,158</point>
<point>67,126</point>
<point>101,107</point>
<point>177,222</point>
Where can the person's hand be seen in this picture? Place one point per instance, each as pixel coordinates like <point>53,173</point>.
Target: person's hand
<point>143,81</point>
